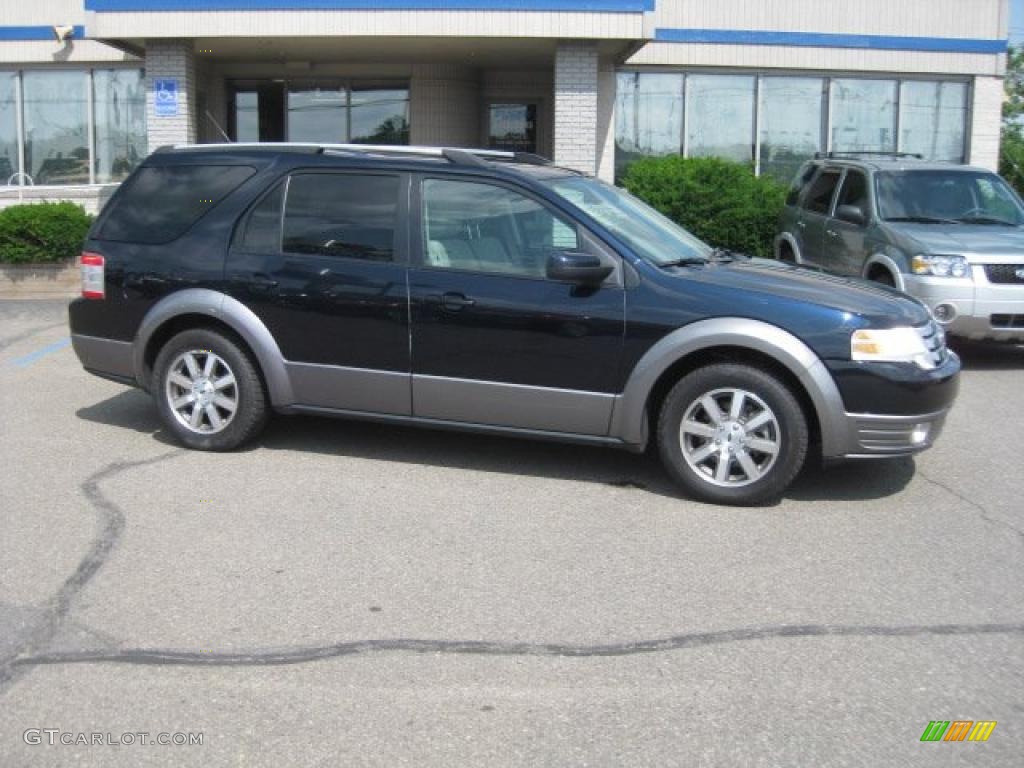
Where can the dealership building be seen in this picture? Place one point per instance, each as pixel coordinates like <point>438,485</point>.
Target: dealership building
<point>89,87</point>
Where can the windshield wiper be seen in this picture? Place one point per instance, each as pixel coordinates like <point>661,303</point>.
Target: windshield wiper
<point>725,255</point>
<point>924,220</point>
<point>688,261</point>
<point>987,220</point>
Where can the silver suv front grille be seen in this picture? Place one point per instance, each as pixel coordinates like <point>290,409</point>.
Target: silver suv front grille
<point>935,340</point>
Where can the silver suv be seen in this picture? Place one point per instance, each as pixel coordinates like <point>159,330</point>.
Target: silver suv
<point>953,236</point>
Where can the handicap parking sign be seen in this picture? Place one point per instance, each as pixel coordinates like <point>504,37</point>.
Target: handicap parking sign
<point>165,98</point>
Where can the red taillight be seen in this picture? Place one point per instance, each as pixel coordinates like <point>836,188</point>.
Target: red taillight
<point>92,275</point>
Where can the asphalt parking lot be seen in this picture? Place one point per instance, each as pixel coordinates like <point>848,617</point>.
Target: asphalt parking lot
<point>352,594</point>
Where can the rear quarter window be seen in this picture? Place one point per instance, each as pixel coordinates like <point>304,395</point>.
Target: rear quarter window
<point>161,203</point>
<point>801,181</point>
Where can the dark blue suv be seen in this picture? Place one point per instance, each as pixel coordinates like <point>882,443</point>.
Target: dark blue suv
<point>494,292</point>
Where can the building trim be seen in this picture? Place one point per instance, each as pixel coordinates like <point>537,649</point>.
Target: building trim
<point>830,40</point>
<point>36,33</point>
<point>591,6</point>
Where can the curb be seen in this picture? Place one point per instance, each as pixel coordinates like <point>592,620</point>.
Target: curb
<point>40,281</point>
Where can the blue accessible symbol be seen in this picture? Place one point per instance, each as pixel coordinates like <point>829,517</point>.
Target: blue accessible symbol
<point>165,98</point>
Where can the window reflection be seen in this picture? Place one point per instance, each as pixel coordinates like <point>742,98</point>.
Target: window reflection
<point>317,113</point>
<point>791,123</point>
<point>380,115</point>
<point>648,116</point>
<point>119,112</point>
<point>720,118</point>
<point>863,115</point>
<point>933,119</point>
<point>56,138</point>
<point>8,129</point>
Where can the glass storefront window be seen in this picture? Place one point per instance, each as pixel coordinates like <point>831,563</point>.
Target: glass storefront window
<point>8,128</point>
<point>317,112</point>
<point>720,116</point>
<point>933,119</point>
<point>791,123</point>
<point>863,115</point>
<point>247,116</point>
<point>379,115</point>
<point>56,133</point>
<point>119,112</point>
<point>648,116</point>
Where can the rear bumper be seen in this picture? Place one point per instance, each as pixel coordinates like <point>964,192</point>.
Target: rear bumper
<point>106,358</point>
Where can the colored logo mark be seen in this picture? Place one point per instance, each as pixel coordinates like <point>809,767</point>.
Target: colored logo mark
<point>958,730</point>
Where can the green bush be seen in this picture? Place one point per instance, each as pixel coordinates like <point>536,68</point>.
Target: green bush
<point>719,201</point>
<point>42,232</point>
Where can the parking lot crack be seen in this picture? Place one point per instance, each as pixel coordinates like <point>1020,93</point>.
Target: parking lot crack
<point>983,513</point>
<point>110,524</point>
<point>283,656</point>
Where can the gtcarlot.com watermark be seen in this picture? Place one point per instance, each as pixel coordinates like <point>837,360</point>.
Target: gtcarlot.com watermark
<point>53,737</point>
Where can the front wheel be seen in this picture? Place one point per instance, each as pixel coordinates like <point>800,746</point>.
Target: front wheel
<point>208,391</point>
<point>730,433</point>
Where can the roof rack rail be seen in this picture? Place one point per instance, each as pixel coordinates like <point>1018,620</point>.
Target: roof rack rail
<point>866,153</point>
<point>456,155</point>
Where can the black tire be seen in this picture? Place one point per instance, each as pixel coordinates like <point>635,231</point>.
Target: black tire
<point>884,277</point>
<point>786,254</point>
<point>763,392</point>
<point>251,411</point>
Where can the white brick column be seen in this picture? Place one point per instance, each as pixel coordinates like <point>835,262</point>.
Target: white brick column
<point>606,88</point>
<point>986,121</point>
<point>171,59</point>
<point>576,97</point>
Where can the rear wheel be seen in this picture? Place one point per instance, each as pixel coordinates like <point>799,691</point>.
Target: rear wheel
<point>208,391</point>
<point>786,253</point>
<point>730,433</point>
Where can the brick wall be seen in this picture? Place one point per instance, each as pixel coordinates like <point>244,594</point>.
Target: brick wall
<point>576,98</point>
<point>444,105</point>
<point>986,121</point>
<point>171,59</point>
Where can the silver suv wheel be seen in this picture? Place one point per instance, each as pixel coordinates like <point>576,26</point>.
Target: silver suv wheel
<point>730,437</point>
<point>201,391</point>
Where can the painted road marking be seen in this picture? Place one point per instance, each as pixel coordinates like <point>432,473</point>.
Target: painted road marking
<point>49,349</point>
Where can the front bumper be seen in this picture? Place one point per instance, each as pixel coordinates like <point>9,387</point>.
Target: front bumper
<point>871,436</point>
<point>984,310</point>
<point>890,409</point>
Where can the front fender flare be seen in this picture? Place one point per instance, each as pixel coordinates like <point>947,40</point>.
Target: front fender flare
<point>629,417</point>
<point>231,312</point>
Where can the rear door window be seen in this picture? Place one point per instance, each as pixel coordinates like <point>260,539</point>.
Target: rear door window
<point>161,203</point>
<point>348,215</point>
<point>819,197</point>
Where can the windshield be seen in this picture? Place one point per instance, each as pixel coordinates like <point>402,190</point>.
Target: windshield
<point>649,234</point>
<point>963,197</point>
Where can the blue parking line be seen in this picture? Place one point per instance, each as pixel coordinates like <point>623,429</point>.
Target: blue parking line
<point>49,349</point>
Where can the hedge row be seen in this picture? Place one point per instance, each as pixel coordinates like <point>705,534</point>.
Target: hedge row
<point>721,202</point>
<point>42,232</point>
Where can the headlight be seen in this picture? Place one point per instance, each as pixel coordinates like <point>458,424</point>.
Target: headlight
<point>940,266</point>
<point>890,345</point>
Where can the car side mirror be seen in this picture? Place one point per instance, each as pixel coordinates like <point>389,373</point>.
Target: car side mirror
<point>575,267</point>
<point>852,214</point>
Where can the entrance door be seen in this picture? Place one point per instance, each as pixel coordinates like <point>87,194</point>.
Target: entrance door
<point>256,111</point>
<point>512,127</point>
